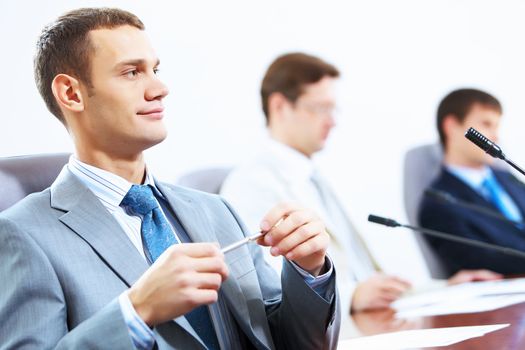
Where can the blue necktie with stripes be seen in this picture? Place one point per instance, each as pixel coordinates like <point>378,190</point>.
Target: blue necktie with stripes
<point>157,236</point>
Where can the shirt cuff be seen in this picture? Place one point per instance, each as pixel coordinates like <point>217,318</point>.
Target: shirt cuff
<point>320,283</point>
<point>141,335</point>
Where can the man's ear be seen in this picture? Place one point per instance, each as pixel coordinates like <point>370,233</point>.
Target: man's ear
<point>66,90</point>
<point>277,102</point>
<point>450,125</point>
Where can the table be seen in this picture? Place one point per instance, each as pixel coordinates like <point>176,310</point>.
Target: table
<point>510,338</point>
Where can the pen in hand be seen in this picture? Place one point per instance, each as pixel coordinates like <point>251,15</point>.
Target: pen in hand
<point>248,239</point>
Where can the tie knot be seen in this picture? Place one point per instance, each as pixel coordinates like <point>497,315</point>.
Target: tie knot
<point>140,199</point>
<point>316,177</point>
<point>489,185</point>
<point>488,181</point>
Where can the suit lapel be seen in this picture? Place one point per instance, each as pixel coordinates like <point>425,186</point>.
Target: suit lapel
<point>192,217</point>
<point>197,227</point>
<point>466,193</point>
<point>514,188</point>
<point>196,221</point>
<point>88,218</point>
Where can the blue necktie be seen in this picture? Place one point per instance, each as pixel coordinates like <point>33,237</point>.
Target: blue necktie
<point>497,196</point>
<point>157,236</point>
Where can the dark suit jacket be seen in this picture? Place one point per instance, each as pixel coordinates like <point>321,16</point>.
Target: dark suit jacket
<point>451,218</point>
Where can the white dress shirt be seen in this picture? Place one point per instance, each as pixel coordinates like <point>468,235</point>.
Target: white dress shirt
<point>280,173</point>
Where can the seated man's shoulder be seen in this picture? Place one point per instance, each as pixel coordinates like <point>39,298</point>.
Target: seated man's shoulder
<point>216,208</point>
<point>508,176</point>
<point>190,194</point>
<point>211,202</point>
<point>431,205</point>
<point>32,216</point>
<point>29,207</point>
<point>251,175</point>
<point>447,183</point>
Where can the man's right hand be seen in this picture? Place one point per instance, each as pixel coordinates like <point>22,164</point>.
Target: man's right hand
<point>184,277</point>
<point>378,292</point>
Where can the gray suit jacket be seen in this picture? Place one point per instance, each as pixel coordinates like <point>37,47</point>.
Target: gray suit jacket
<point>64,260</point>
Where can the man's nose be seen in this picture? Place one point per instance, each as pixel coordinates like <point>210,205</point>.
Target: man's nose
<point>156,89</point>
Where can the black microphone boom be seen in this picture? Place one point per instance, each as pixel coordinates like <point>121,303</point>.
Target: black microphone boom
<point>447,236</point>
<point>490,147</point>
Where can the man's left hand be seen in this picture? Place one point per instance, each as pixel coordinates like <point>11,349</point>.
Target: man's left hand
<point>297,234</point>
<point>473,276</point>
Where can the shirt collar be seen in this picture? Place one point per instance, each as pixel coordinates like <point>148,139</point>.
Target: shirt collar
<point>472,177</point>
<point>109,188</point>
<point>292,163</point>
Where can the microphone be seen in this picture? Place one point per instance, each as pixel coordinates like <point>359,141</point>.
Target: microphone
<point>449,198</point>
<point>447,236</point>
<point>489,147</point>
<point>383,221</point>
<point>484,143</point>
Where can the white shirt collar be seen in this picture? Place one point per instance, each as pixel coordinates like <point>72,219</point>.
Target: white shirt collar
<point>109,188</point>
<point>293,164</point>
<point>472,177</point>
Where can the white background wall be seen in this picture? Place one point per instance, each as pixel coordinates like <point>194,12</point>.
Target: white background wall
<point>398,58</point>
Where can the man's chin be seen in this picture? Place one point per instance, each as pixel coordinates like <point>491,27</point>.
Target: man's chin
<point>481,162</point>
<point>153,140</point>
<point>320,146</point>
<point>488,160</point>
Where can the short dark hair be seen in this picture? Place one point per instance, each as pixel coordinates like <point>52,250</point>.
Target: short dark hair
<point>289,73</point>
<point>64,47</point>
<point>459,103</point>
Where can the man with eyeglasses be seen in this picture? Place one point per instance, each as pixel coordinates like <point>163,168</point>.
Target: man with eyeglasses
<point>299,103</point>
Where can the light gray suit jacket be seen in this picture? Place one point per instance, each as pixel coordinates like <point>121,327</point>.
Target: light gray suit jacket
<point>64,260</point>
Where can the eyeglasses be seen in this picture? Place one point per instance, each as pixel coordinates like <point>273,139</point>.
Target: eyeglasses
<point>322,109</point>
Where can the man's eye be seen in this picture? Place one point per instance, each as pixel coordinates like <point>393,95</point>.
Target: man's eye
<point>156,70</point>
<point>132,73</point>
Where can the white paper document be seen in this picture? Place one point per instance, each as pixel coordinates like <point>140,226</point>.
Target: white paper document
<point>462,298</point>
<point>460,292</point>
<point>420,338</point>
<point>462,306</point>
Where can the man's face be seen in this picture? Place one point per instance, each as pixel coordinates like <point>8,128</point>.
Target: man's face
<point>311,117</point>
<point>484,119</point>
<point>123,109</point>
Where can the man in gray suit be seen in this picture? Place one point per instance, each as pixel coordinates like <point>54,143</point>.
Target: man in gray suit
<point>108,257</point>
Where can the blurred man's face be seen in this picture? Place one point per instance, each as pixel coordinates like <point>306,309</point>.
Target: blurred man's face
<point>482,118</point>
<point>311,117</point>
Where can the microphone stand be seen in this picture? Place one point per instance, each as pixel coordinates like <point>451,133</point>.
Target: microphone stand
<point>447,236</point>
<point>514,165</point>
